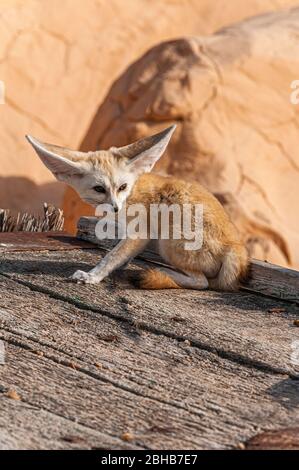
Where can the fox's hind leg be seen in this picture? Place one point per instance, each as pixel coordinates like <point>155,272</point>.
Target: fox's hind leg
<point>166,278</point>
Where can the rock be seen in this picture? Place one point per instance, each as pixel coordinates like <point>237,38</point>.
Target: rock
<point>58,60</point>
<point>17,191</point>
<point>238,132</point>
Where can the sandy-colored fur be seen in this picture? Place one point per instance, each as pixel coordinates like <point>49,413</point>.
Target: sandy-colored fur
<point>123,176</point>
<point>223,259</point>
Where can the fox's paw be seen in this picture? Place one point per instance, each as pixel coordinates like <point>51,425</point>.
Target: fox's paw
<point>83,277</point>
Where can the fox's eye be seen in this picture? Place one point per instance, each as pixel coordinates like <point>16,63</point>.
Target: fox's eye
<point>123,187</point>
<point>99,189</point>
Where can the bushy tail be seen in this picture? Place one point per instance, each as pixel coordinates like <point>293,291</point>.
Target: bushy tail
<point>154,279</point>
<point>234,268</point>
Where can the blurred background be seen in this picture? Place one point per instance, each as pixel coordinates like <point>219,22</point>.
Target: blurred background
<point>90,74</point>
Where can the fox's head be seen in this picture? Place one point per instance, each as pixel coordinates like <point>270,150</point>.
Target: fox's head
<point>104,176</point>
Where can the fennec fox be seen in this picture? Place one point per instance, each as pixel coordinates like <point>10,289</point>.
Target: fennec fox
<point>121,175</point>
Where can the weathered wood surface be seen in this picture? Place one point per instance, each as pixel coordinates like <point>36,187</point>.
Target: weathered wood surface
<point>287,439</point>
<point>266,278</point>
<point>38,241</point>
<point>175,369</point>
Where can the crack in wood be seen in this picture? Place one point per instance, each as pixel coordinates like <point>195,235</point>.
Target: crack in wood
<point>68,418</point>
<point>224,354</point>
<point>98,376</point>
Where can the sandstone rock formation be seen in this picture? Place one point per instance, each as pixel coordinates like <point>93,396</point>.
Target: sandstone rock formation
<point>238,132</point>
<point>58,59</point>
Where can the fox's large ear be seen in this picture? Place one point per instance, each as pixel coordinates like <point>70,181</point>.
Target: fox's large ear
<point>61,161</point>
<point>144,153</point>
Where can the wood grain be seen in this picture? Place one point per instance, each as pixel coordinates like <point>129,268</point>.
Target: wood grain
<point>165,392</point>
<point>238,326</point>
<point>39,241</point>
<point>176,369</point>
<point>266,278</point>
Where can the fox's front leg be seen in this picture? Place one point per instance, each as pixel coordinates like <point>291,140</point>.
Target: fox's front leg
<point>117,257</point>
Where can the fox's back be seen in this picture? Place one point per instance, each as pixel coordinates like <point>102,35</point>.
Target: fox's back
<point>156,189</point>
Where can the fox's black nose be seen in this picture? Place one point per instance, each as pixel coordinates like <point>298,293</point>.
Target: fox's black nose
<point>115,209</point>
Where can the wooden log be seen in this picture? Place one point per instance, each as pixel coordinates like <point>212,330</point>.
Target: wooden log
<point>265,278</point>
<point>175,369</point>
<point>273,280</point>
<point>244,327</point>
<point>83,375</point>
<point>39,241</point>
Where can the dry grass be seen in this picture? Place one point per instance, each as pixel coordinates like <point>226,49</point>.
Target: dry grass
<point>52,220</point>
